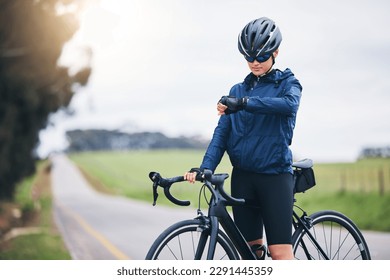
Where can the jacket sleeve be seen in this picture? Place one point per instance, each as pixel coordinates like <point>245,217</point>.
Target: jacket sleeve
<point>218,143</point>
<point>286,104</point>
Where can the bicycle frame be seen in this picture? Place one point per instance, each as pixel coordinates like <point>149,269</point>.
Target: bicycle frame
<point>211,234</point>
<point>218,214</point>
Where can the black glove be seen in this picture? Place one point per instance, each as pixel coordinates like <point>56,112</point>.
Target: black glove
<point>196,169</point>
<point>233,104</point>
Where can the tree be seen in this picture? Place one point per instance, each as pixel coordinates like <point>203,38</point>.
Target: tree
<point>32,84</point>
<point>375,152</point>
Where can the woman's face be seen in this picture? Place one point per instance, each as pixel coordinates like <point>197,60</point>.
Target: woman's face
<point>260,68</point>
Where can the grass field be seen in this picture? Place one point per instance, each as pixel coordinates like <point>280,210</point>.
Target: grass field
<point>361,190</point>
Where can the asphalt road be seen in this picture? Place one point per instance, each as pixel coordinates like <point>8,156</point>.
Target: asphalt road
<point>98,226</point>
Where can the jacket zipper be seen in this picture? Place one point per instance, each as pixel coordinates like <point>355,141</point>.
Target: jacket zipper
<point>245,132</point>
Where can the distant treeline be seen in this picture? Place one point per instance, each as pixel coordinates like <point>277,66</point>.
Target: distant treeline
<point>375,152</point>
<point>103,140</point>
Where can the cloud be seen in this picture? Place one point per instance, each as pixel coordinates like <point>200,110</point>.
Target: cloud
<point>165,65</point>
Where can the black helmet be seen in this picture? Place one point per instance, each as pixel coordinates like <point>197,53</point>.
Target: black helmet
<point>259,37</point>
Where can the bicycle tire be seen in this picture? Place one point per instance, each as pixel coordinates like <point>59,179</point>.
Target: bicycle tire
<point>337,235</point>
<point>181,242</point>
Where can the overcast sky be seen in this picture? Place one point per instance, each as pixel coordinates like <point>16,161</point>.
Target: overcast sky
<point>163,65</point>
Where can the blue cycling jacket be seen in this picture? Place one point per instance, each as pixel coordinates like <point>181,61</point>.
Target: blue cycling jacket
<point>257,139</point>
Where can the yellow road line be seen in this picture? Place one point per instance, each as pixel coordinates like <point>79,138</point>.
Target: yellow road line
<point>94,233</point>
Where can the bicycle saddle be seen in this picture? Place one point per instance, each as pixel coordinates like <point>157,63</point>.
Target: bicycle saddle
<point>304,163</point>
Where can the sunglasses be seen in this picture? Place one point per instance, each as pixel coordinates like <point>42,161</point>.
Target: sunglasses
<point>260,59</point>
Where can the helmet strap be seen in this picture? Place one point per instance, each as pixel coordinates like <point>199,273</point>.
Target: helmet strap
<point>270,69</point>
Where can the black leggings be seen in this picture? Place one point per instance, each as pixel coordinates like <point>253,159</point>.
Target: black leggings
<point>273,194</point>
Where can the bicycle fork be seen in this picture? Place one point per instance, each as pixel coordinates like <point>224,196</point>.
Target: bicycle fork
<point>209,231</point>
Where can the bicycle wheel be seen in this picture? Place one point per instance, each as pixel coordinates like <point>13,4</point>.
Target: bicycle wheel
<point>188,240</point>
<point>337,235</point>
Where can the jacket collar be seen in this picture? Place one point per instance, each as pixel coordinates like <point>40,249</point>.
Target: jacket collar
<point>275,76</point>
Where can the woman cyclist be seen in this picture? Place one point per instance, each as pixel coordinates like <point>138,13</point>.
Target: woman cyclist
<point>256,129</point>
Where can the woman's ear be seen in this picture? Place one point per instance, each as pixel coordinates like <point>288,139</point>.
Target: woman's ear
<point>276,53</point>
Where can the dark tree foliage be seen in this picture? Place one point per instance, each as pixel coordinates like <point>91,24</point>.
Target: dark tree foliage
<point>32,85</point>
<point>113,140</point>
<point>375,152</point>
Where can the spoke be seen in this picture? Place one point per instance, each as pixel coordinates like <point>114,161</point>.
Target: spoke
<point>338,251</point>
<point>173,254</point>
<point>335,239</point>
<point>311,256</point>
<point>320,255</point>
<point>313,245</point>
<point>180,248</point>
<point>186,242</point>
<point>223,257</point>
<point>330,240</point>
<point>341,245</point>
<point>325,240</point>
<point>193,243</point>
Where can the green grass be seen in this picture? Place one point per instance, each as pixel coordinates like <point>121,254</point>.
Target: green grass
<point>369,175</point>
<point>361,190</point>
<point>39,246</point>
<point>126,173</point>
<point>369,211</point>
<point>23,194</point>
<point>33,195</point>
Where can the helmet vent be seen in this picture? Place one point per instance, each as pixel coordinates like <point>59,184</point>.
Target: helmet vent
<point>259,37</point>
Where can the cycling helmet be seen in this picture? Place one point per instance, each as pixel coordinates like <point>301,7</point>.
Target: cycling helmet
<point>259,37</point>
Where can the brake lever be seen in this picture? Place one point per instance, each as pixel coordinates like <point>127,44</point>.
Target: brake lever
<point>155,177</point>
<point>155,194</point>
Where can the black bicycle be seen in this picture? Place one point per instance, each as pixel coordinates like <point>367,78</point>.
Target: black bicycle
<point>324,235</point>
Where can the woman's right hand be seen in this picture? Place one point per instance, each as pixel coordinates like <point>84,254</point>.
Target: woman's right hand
<point>190,176</point>
<point>221,109</point>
